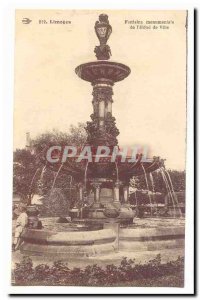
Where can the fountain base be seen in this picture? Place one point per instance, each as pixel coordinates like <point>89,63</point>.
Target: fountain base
<point>94,215</point>
<point>69,244</point>
<point>80,241</point>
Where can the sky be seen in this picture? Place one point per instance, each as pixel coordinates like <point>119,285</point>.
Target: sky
<point>149,105</point>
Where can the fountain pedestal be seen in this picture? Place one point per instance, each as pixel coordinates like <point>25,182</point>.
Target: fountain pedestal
<point>96,187</point>
<point>106,199</point>
<point>102,131</point>
<point>116,195</point>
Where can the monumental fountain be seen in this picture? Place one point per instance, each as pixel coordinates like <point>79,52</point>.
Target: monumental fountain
<point>106,179</point>
<point>103,181</point>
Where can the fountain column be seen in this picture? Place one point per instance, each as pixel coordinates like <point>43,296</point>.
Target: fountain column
<point>101,113</point>
<point>116,193</point>
<point>102,101</point>
<point>102,129</point>
<point>96,186</point>
<point>126,193</point>
<point>80,187</point>
<point>109,106</point>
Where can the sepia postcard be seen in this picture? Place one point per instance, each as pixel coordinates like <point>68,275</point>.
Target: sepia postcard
<point>100,149</point>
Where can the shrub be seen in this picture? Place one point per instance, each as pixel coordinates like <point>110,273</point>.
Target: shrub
<point>127,273</point>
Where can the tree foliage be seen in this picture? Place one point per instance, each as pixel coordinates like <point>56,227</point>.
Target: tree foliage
<point>29,173</point>
<point>24,171</point>
<point>75,137</point>
<point>158,184</point>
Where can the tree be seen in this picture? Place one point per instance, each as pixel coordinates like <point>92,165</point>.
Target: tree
<point>55,204</point>
<point>30,176</point>
<point>158,184</point>
<point>24,171</point>
<point>75,137</point>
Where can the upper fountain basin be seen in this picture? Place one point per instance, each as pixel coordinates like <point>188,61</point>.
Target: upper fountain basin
<point>101,71</point>
<point>107,169</point>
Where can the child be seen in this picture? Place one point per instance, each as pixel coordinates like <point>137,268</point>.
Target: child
<point>21,224</point>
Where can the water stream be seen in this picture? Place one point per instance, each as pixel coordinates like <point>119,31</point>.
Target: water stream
<point>70,187</point>
<point>40,180</point>
<point>168,189</point>
<point>136,200</point>
<point>85,175</point>
<point>117,171</point>
<point>173,192</point>
<point>153,188</point>
<point>56,176</point>
<point>33,181</point>
<point>147,184</point>
<point>42,173</point>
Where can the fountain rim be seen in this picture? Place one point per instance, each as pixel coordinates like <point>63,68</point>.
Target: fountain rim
<point>78,168</point>
<point>117,66</point>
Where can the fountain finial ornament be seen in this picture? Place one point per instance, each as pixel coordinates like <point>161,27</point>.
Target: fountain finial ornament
<point>103,31</point>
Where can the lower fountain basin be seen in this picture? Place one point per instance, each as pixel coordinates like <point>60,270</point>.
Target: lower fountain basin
<point>68,244</point>
<point>150,234</point>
